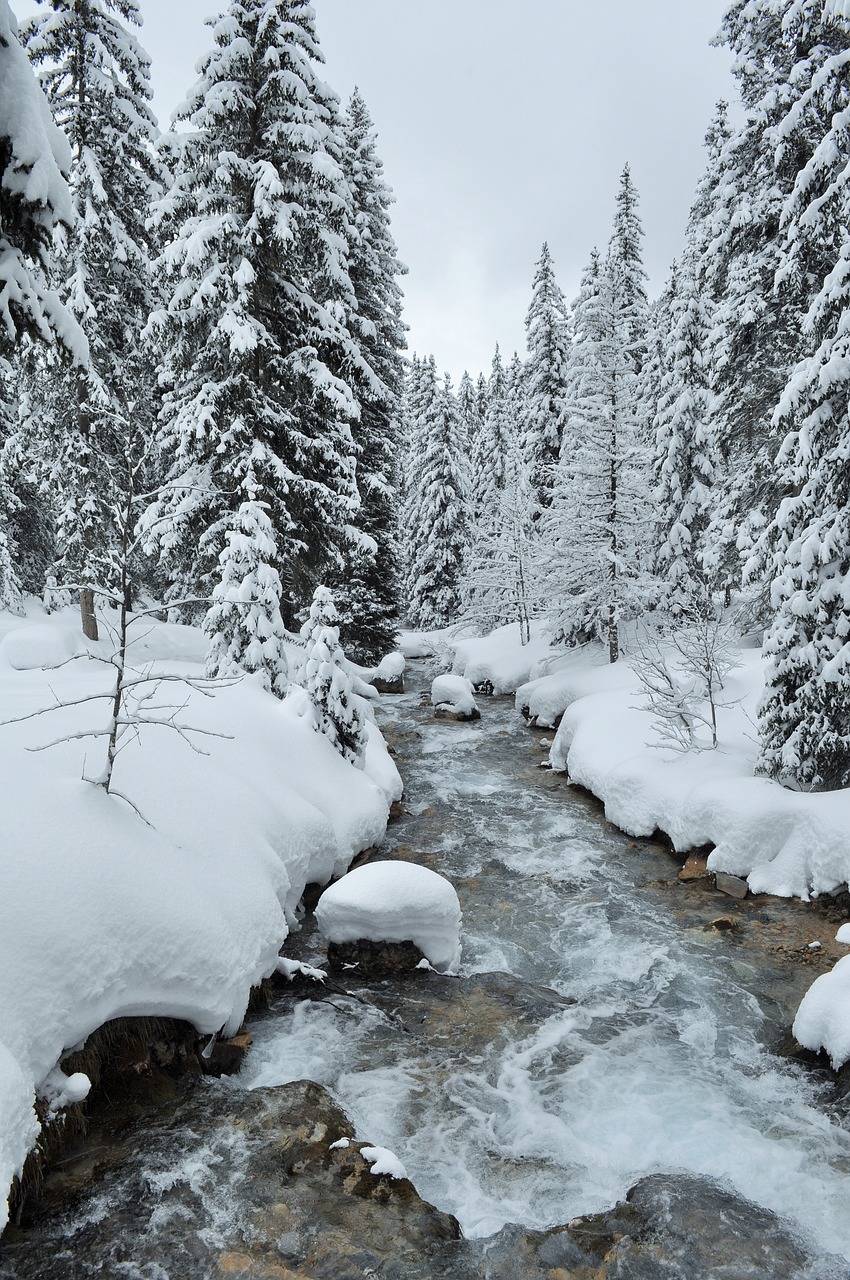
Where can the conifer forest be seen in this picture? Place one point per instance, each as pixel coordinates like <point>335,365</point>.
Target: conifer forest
<point>236,500</point>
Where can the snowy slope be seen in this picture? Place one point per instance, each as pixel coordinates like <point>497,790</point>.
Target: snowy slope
<point>103,915</point>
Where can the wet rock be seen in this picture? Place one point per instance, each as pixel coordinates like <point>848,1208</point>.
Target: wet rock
<point>695,867</point>
<point>724,924</point>
<point>681,1227</point>
<point>374,959</point>
<point>290,1206</point>
<point>734,886</point>
<point>396,685</point>
<point>225,1057</point>
<point>449,713</point>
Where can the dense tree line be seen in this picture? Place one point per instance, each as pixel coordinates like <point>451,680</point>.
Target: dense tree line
<point>657,459</point>
<point>201,327</point>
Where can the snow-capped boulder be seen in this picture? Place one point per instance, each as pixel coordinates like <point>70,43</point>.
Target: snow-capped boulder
<point>395,902</point>
<point>453,698</point>
<point>388,676</point>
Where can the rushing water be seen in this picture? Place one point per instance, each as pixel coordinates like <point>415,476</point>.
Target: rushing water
<point>595,1035</point>
<point>660,1064</point>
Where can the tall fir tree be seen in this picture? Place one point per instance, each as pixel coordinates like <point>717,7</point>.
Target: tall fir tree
<point>254,338</point>
<point>440,508</point>
<point>97,79</point>
<point>337,712</point>
<point>548,337</point>
<point>366,592</point>
<point>34,205</point>
<point>685,461</point>
<point>805,712</point>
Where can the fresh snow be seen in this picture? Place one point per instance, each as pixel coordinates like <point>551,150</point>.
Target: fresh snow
<point>383,1161</point>
<point>823,1018</point>
<point>103,915</point>
<point>395,902</point>
<point>454,693</point>
<point>500,659</point>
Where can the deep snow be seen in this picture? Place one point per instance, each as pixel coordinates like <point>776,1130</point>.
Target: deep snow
<point>104,914</point>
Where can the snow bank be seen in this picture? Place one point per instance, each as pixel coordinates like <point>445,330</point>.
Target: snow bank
<point>783,842</point>
<point>104,914</point>
<point>500,659</point>
<point>395,902</point>
<point>453,693</point>
<point>573,675</point>
<point>430,644</point>
<point>823,1018</point>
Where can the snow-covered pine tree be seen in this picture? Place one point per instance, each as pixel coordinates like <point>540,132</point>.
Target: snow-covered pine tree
<point>435,598</point>
<point>336,708</point>
<point>420,387</point>
<point>685,462</point>
<point>490,446</point>
<point>97,80</point>
<point>548,337</point>
<point>366,592</point>
<point>253,340</point>
<point>244,625</point>
<point>34,204</point>
<point>756,336</point>
<point>627,272</point>
<point>595,529</point>
<point>805,712</point>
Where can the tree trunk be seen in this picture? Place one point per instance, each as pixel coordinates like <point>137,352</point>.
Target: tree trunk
<point>87,613</point>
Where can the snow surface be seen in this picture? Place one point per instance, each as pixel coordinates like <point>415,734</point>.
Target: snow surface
<point>383,1161</point>
<point>104,916</point>
<point>453,692</point>
<point>500,659</point>
<point>823,1018</point>
<point>391,666</point>
<point>429,644</point>
<point>395,902</point>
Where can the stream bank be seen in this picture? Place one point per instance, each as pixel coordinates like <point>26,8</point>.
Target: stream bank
<point>602,1035</point>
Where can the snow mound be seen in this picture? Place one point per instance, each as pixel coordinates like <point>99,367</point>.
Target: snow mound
<point>383,1161</point>
<point>453,693</point>
<point>429,644</point>
<point>823,1018</point>
<point>545,699</point>
<point>395,902</point>
<point>33,646</point>
<point>390,667</point>
<point>500,660</point>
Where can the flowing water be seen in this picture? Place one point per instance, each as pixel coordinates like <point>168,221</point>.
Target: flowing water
<point>595,1035</point>
<point>662,1062</point>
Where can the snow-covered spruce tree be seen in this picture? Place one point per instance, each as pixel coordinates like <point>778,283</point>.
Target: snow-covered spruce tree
<point>97,80</point>
<point>805,711</point>
<point>500,580</point>
<point>625,266</point>
<point>244,625</point>
<point>420,387</point>
<point>758,305</point>
<point>595,529</point>
<point>490,446</point>
<point>366,591</point>
<point>337,711</point>
<point>34,203</point>
<point>685,462</point>
<point>253,338</point>
<point>435,599</point>
<point>548,336</point>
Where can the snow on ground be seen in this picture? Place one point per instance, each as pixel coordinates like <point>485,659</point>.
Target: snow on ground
<point>453,693</point>
<point>104,914</point>
<point>501,659</point>
<point>430,644</point>
<point>823,1018</point>
<point>395,902</point>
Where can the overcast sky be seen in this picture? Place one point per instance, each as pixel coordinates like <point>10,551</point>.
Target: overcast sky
<point>498,132</point>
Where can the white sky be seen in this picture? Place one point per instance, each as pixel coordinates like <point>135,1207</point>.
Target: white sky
<point>497,133</point>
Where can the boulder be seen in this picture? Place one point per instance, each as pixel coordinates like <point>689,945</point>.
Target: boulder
<point>734,886</point>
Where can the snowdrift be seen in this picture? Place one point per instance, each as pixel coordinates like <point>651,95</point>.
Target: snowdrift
<point>104,913</point>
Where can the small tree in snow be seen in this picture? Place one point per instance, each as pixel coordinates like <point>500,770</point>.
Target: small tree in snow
<point>338,713</point>
<point>683,672</point>
<point>244,624</point>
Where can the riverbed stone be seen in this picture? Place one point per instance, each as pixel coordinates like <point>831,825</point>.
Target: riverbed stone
<point>449,713</point>
<point>734,886</point>
<point>372,959</point>
<point>695,867</point>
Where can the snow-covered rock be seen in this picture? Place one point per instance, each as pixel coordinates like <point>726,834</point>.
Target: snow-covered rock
<point>395,902</point>
<point>455,696</point>
<point>823,1018</point>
